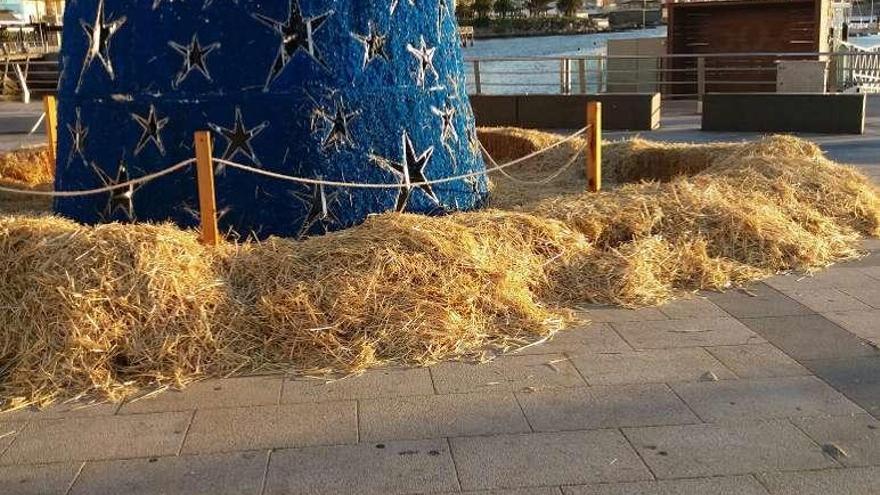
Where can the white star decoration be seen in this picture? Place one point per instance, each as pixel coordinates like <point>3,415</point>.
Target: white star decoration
<point>152,128</point>
<point>410,170</point>
<point>193,58</point>
<point>238,139</point>
<point>425,58</point>
<point>297,35</point>
<point>99,35</point>
<point>396,3</point>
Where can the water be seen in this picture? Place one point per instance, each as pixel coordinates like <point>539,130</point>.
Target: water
<point>866,41</point>
<point>541,76</point>
<point>539,46</point>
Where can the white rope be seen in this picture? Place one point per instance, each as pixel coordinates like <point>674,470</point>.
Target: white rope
<point>541,182</point>
<point>356,185</point>
<point>174,168</point>
<point>37,125</point>
<point>114,187</point>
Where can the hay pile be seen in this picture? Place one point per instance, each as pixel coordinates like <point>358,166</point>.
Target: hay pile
<point>111,310</point>
<point>25,169</point>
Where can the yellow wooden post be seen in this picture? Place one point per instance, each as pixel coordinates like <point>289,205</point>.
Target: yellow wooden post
<point>207,198</point>
<point>50,107</point>
<point>594,146</point>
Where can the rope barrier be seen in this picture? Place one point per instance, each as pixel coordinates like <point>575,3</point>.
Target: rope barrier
<point>102,190</point>
<point>541,182</point>
<point>174,168</point>
<point>356,185</point>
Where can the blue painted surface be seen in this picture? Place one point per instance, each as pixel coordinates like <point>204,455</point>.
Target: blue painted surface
<point>289,109</point>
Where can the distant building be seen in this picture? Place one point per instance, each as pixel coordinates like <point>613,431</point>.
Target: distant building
<point>34,10</point>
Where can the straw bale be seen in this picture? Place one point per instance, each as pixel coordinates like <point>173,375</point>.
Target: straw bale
<point>110,311</point>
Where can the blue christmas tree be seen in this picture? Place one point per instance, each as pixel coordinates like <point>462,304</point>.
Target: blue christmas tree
<point>335,90</point>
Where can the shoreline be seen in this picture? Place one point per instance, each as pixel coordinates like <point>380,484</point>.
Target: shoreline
<point>532,34</point>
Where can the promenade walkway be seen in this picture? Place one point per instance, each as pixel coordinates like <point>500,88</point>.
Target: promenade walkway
<point>770,390</point>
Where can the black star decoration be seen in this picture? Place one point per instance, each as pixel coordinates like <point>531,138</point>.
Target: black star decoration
<point>193,58</point>
<point>238,139</point>
<point>410,171</point>
<point>318,203</point>
<point>78,135</point>
<point>99,35</point>
<point>152,127</point>
<point>425,58</point>
<point>375,45</point>
<point>337,122</point>
<point>120,199</point>
<point>297,35</point>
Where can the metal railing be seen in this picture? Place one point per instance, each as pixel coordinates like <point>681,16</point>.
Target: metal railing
<point>682,76</point>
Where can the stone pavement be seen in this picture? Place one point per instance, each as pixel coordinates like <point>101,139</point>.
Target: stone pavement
<point>770,390</point>
<point>773,390</point>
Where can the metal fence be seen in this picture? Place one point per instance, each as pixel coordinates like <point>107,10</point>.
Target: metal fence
<point>679,76</point>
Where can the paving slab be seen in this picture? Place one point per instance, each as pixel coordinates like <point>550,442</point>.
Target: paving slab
<point>555,490</point>
<point>834,277</point>
<point>855,481</point>
<point>604,407</point>
<point>758,301</point>
<point>733,485</point>
<point>689,332</point>
<point>871,271</point>
<point>764,398</point>
<point>607,314</point>
<point>737,448</point>
<point>388,469</point>
<point>410,418</point>
<point>594,338</point>
<point>757,361</point>
<point>507,374</point>
<point>697,307</point>
<point>370,385</point>
<point>224,474</point>
<point>650,366</point>
<point>809,337</point>
<point>210,394</point>
<point>542,459</point>
<point>825,300</point>
<point>112,437</point>
<point>8,432</point>
<point>69,410</point>
<point>857,436</point>
<point>41,479</point>
<point>868,295</point>
<point>266,427</point>
<point>857,378</point>
<point>865,324</point>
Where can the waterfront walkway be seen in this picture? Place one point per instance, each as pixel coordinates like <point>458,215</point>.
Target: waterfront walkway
<point>770,390</point>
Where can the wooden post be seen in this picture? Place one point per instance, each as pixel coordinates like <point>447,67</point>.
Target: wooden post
<point>478,82</point>
<point>701,83</point>
<point>50,107</point>
<point>582,76</point>
<point>207,198</point>
<point>594,146</point>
